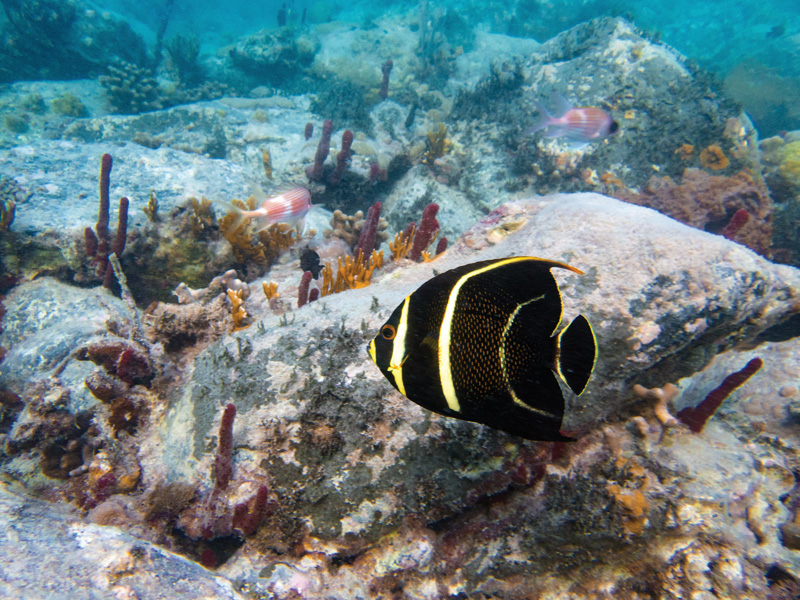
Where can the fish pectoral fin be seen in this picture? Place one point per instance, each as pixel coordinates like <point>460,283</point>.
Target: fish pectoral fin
<point>396,367</point>
<point>431,342</point>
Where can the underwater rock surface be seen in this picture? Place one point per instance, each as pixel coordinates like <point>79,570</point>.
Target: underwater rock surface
<point>368,491</point>
<point>56,554</point>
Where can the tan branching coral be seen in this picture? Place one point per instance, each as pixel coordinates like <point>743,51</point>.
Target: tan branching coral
<point>270,290</point>
<point>662,397</point>
<point>201,218</point>
<point>238,313</point>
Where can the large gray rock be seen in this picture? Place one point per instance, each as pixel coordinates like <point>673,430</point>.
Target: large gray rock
<point>370,491</point>
<point>50,552</point>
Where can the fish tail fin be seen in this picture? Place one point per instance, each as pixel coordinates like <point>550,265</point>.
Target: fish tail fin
<point>545,118</point>
<point>576,353</point>
<point>233,210</point>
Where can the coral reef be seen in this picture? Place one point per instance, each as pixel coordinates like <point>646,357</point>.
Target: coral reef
<point>352,274</point>
<point>56,39</point>
<point>130,89</point>
<point>437,144</point>
<point>275,56</point>
<point>709,202</point>
<point>238,312</point>
<point>714,158</point>
<point>183,52</point>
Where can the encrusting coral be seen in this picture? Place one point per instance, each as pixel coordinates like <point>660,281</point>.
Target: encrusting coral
<point>714,158</point>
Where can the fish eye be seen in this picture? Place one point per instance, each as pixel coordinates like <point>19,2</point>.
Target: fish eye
<point>388,332</point>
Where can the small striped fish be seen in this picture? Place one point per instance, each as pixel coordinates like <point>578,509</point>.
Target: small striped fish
<point>581,125</point>
<point>289,207</point>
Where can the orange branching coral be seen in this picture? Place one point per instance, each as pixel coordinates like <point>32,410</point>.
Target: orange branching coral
<point>238,313</point>
<point>261,248</point>
<point>352,275</point>
<point>685,152</point>
<point>714,158</point>
<point>401,245</point>
<point>270,290</point>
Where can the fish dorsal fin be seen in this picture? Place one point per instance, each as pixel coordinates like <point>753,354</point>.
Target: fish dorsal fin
<point>561,104</point>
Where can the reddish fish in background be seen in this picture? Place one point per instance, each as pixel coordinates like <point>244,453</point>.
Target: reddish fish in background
<point>579,125</point>
<point>289,206</point>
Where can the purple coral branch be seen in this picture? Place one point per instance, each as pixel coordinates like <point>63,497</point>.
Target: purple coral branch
<point>223,461</point>
<point>98,244</point>
<point>342,158</point>
<point>386,68</point>
<point>315,171</point>
<point>697,417</point>
<point>369,233</point>
<point>302,290</point>
<point>428,226</point>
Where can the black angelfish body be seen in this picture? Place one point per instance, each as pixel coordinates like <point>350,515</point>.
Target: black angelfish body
<point>477,343</point>
<point>309,261</point>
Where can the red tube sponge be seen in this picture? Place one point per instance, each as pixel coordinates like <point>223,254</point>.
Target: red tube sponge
<point>697,417</point>
<point>315,171</point>
<point>223,461</point>
<point>342,158</point>
<point>369,233</point>
<point>428,226</point>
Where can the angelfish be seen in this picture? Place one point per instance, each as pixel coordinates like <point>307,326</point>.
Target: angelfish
<point>479,343</point>
<point>288,206</point>
<point>578,125</point>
